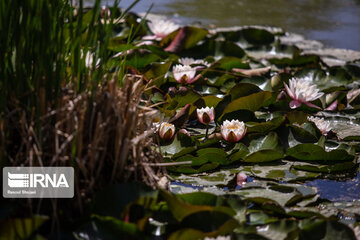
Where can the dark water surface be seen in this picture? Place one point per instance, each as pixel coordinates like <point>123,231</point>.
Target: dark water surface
<point>336,23</point>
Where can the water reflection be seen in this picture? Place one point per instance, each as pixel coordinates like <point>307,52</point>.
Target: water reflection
<point>338,190</point>
<point>336,23</point>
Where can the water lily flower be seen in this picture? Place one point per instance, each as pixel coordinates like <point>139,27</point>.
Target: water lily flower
<point>185,74</point>
<point>218,238</point>
<point>241,179</point>
<point>166,131</point>
<point>302,91</point>
<point>232,131</point>
<point>191,61</point>
<point>162,28</point>
<point>321,124</point>
<point>205,115</point>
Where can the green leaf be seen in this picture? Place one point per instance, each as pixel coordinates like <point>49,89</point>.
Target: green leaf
<point>181,210</point>
<point>270,141</point>
<point>20,228</point>
<point>308,133</point>
<point>215,48</point>
<point>325,229</point>
<point>214,155</point>
<point>140,59</point>
<point>335,168</point>
<point>312,152</point>
<point>228,63</point>
<point>192,36</point>
<point>297,61</point>
<point>258,36</point>
<point>157,71</point>
<point>181,100</point>
<point>252,102</point>
<point>265,127</point>
<point>243,89</point>
<point>266,155</point>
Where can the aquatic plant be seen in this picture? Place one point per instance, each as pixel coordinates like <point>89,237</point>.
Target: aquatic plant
<point>302,91</point>
<point>233,131</point>
<point>205,115</point>
<point>166,131</point>
<point>322,124</point>
<point>185,74</point>
<point>161,28</point>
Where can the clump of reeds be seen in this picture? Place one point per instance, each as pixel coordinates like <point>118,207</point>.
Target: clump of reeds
<point>60,109</point>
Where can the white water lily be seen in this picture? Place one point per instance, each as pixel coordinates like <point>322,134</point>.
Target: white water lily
<point>89,59</point>
<point>321,124</point>
<point>233,131</point>
<point>206,115</point>
<point>166,131</point>
<point>191,61</point>
<point>161,28</point>
<point>184,74</point>
<point>218,238</point>
<point>302,91</point>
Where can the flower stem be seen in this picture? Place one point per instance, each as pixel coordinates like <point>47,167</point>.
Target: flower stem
<point>207,131</point>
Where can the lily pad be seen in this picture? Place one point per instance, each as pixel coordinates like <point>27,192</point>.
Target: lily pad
<point>312,152</point>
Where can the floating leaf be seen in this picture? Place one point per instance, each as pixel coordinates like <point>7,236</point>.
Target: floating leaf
<point>243,89</point>
<point>228,63</point>
<point>312,152</point>
<point>191,36</point>
<point>215,48</point>
<point>252,102</point>
<point>265,127</point>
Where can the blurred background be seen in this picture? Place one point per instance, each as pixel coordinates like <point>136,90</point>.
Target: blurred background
<point>336,23</point>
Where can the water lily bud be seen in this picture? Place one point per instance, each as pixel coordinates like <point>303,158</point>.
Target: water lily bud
<point>301,90</point>
<point>275,81</point>
<point>166,131</point>
<point>241,179</point>
<point>183,90</point>
<point>183,131</point>
<point>172,91</point>
<point>205,115</point>
<point>232,131</point>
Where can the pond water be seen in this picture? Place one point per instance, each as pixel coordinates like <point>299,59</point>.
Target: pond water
<point>333,22</point>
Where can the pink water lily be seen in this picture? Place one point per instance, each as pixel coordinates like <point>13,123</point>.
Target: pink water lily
<point>206,115</point>
<point>166,131</point>
<point>185,74</point>
<point>233,131</point>
<point>241,179</point>
<point>321,124</point>
<point>302,91</point>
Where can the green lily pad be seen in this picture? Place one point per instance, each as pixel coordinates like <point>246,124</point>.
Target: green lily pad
<point>213,155</point>
<point>312,152</point>
<point>228,63</point>
<point>265,127</point>
<point>215,48</point>
<point>192,35</point>
<point>252,102</point>
<point>243,89</point>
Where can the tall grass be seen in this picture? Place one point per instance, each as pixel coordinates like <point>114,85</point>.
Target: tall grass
<point>62,104</point>
<point>45,48</point>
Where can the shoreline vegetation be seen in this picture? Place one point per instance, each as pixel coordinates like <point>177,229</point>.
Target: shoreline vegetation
<point>237,122</point>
